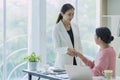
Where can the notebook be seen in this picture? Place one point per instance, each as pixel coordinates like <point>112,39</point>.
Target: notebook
<point>78,72</point>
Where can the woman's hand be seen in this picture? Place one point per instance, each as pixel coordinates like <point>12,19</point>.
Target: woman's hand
<point>71,52</point>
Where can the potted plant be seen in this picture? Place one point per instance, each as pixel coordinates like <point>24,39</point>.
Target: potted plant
<point>32,60</point>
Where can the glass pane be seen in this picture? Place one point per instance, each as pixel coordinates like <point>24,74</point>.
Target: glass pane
<point>16,37</point>
<point>87,25</point>
<point>55,5</point>
<point>1,38</point>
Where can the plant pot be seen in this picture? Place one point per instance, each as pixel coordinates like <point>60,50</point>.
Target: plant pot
<point>118,67</point>
<point>32,66</point>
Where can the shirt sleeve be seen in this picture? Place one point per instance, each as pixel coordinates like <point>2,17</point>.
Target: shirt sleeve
<point>57,43</point>
<point>88,62</point>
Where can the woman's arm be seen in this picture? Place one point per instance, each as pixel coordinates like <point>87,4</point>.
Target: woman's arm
<point>85,60</point>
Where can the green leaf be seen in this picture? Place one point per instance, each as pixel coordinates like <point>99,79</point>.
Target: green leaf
<point>33,57</point>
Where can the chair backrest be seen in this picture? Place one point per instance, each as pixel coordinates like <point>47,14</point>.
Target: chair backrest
<point>118,67</point>
<point>78,72</point>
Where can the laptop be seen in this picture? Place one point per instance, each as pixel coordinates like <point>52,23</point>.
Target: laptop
<point>78,72</point>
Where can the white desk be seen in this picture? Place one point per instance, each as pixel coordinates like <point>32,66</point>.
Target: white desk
<point>56,77</point>
<point>101,78</point>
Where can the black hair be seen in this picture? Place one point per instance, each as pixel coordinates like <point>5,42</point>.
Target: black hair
<point>105,34</point>
<point>64,8</point>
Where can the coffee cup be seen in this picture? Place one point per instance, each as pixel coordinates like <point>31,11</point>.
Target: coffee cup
<point>108,73</point>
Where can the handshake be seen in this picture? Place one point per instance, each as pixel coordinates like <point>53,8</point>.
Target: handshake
<point>73,52</point>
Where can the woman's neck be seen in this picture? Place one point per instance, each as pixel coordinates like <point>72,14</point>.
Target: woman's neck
<point>104,46</point>
<point>65,22</point>
<point>66,25</point>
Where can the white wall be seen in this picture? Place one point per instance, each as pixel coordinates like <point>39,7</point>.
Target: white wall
<point>114,28</point>
<point>113,7</point>
<point>113,17</point>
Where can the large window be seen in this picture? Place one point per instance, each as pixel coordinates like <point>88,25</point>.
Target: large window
<point>85,15</point>
<point>14,37</point>
<point>1,38</point>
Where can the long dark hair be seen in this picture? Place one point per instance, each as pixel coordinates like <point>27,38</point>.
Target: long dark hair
<point>105,34</point>
<point>64,8</point>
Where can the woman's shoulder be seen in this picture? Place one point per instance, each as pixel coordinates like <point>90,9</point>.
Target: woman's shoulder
<point>57,27</point>
<point>59,24</point>
<point>109,51</point>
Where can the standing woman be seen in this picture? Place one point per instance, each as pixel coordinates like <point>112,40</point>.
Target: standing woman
<point>66,38</point>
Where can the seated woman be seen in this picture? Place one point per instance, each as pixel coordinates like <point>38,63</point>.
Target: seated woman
<point>106,57</point>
